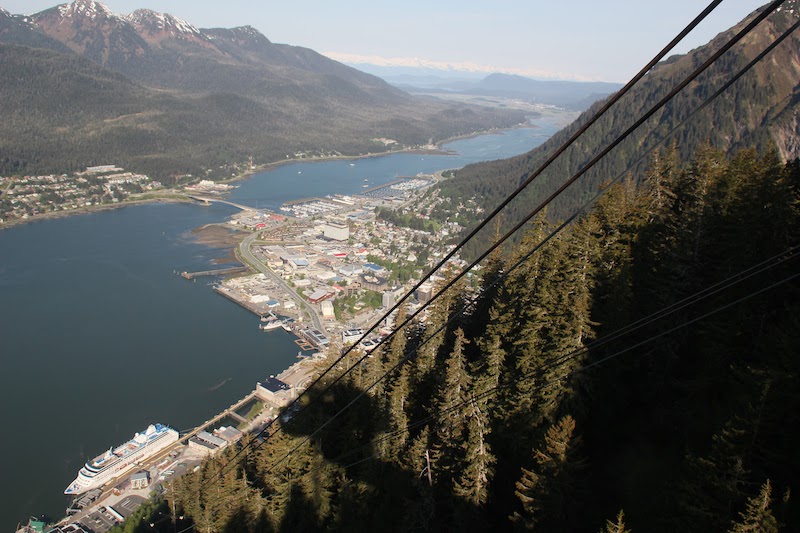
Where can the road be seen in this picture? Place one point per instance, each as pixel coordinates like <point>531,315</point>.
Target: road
<point>246,254</point>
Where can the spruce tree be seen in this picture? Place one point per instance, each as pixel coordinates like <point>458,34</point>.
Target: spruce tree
<point>451,422</point>
<point>551,490</point>
<point>757,517</point>
<point>472,484</point>
<point>618,526</point>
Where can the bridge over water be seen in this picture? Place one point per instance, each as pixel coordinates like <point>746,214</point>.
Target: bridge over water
<point>207,200</point>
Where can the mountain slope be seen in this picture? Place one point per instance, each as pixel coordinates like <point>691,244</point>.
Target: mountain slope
<point>19,30</point>
<point>760,110</point>
<point>62,113</point>
<point>162,50</point>
<point>211,98</point>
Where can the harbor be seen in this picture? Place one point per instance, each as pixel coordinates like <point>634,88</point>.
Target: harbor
<point>102,508</point>
<point>190,350</point>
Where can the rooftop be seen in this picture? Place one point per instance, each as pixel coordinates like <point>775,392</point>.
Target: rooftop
<point>274,384</point>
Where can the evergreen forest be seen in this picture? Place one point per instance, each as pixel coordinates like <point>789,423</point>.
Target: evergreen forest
<point>638,372</point>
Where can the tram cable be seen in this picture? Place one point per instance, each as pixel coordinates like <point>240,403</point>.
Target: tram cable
<point>615,98</point>
<point>710,61</point>
<point>533,213</point>
<point>582,351</point>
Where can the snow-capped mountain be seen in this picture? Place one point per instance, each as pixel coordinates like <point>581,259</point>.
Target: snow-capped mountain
<point>157,27</point>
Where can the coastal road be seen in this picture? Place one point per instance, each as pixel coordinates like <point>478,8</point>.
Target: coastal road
<point>246,254</point>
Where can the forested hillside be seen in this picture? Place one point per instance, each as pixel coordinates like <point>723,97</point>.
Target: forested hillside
<point>62,113</point>
<point>760,110</point>
<point>529,412</point>
<point>83,86</point>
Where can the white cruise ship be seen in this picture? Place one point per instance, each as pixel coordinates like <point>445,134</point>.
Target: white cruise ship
<point>117,461</point>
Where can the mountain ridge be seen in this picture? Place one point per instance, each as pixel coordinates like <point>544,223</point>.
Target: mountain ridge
<point>761,110</point>
<point>305,101</point>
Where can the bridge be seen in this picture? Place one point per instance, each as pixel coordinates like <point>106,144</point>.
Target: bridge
<point>206,200</point>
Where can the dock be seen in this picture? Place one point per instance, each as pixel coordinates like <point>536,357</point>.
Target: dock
<point>253,309</point>
<point>217,272</point>
<point>230,411</point>
<point>304,344</point>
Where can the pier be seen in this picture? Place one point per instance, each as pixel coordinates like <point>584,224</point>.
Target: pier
<point>247,305</point>
<point>218,272</point>
<point>229,412</point>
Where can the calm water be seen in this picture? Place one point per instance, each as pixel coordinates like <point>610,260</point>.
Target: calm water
<point>100,337</point>
<point>302,180</point>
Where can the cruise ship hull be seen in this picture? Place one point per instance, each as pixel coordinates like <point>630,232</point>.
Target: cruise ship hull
<point>123,459</point>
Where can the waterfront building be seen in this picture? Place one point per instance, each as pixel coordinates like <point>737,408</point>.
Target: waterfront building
<point>228,433</point>
<point>202,446</point>
<point>315,336</point>
<point>140,480</point>
<point>274,391</point>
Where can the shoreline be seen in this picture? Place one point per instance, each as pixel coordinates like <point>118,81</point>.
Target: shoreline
<point>90,210</point>
<point>252,172</point>
<point>438,150</point>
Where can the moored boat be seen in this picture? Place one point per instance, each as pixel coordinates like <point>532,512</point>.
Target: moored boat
<point>271,324</point>
<point>117,461</point>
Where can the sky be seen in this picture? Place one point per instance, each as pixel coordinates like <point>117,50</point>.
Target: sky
<point>598,40</point>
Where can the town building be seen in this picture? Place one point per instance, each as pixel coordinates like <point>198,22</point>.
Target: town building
<point>388,299</point>
<point>274,391</point>
<point>319,295</point>
<point>228,433</point>
<point>373,283</point>
<point>327,309</point>
<point>140,480</point>
<point>336,231</point>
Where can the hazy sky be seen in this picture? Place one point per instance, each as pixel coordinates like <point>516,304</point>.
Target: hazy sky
<point>605,40</point>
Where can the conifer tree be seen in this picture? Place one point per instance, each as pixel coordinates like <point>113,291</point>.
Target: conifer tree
<point>422,509</point>
<point>472,484</point>
<point>757,517</point>
<point>487,368</point>
<point>551,489</point>
<point>398,417</point>
<point>451,424</point>
<point>617,526</point>
<point>658,194</point>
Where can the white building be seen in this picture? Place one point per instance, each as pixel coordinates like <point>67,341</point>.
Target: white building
<point>337,231</point>
<point>388,300</point>
<point>327,309</point>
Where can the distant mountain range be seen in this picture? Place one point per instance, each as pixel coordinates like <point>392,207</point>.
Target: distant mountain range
<point>573,95</point>
<point>83,85</point>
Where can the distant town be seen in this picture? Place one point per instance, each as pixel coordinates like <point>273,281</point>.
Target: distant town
<point>26,197</point>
